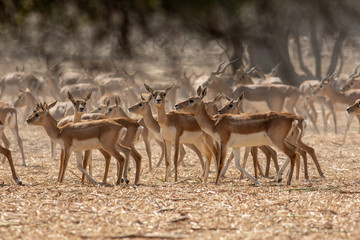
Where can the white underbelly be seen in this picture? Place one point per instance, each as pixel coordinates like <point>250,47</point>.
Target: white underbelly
<point>248,140</point>
<point>81,145</point>
<point>169,134</point>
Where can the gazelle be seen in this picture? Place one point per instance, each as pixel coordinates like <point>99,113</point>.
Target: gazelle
<point>8,116</point>
<point>276,96</point>
<point>179,128</point>
<point>309,100</point>
<point>77,137</point>
<point>244,130</point>
<point>117,111</point>
<point>7,153</point>
<point>133,129</point>
<point>11,82</point>
<point>325,88</point>
<point>233,107</point>
<point>353,81</point>
<point>143,108</point>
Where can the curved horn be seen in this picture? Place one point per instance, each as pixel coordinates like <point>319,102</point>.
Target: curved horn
<point>352,75</point>
<point>219,66</point>
<point>251,70</point>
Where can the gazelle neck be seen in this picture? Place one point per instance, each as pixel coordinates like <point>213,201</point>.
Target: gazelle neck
<point>150,121</point>
<point>50,126</point>
<point>205,122</point>
<point>162,118</point>
<point>335,95</point>
<point>77,116</point>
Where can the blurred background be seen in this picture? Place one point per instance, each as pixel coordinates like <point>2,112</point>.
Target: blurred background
<point>162,38</point>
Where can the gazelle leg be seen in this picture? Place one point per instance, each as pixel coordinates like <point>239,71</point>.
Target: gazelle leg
<point>237,163</point>
<point>167,160</point>
<point>7,154</point>
<point>162,146</point>
<point>79,160</point>
<point>231,157</point>
<point>237,155</point>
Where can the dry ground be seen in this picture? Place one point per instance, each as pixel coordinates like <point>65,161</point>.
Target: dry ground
<point>319,208</point>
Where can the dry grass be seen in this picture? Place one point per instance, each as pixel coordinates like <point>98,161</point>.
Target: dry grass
<point>44,209</point>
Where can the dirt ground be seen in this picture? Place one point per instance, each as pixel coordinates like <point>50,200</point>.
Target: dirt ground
<point>236,209</point>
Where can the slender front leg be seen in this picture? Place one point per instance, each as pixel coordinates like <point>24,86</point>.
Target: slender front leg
<point>167,160</point>
<point>223,152</point>
<point>65,163</point>
<point>62,159</point>
<point>176,156</point>
<point>231,157</point>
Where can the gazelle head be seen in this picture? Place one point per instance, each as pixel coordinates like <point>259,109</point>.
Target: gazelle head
<point>352,82</point>
<point>192,104</point>
<point>40,113</point>
<point>24,98</point>
<point>325,84</point>
<point>159,95</point>
<point>103,107</point>
<point>79,104</point>
<point>141,107</point>
<point>232,106</point>
<point>115,110</point>
<point>355,108</point>
<point>214,81</point>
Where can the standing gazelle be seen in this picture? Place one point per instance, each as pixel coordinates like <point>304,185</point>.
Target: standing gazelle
<point>77,137</point>
<point>244,130</point>
<point>180,128</point>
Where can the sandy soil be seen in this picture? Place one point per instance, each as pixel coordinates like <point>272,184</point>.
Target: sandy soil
<point>319,208</point>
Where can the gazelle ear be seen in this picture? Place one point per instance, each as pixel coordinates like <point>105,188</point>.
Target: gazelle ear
<point>170,87</point>
<point>240,98</point>
<point>52,104</point>
<point>117,101</point>
<point>203,93</point>
<point>107,102</point>
<point>87,97</point>
<point>70,97</point>
<point>198,91</point>
<point>148,88</point>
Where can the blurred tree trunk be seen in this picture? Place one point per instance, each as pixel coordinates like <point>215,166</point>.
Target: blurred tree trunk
<point>316,48</point>
<point>303,67</point>
<point>336,52</point>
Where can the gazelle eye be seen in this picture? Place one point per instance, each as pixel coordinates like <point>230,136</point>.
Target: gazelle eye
<point>36,115</point>
<point>352,83</point>
<point>164,94</point>
<point>140,104</point>
<point>110,109</point>
<point>191,100</point>
<point>99,108</point>
<point>230,106</point>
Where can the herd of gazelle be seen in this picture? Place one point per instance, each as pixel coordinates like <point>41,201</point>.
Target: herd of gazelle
<point>194,124</point>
